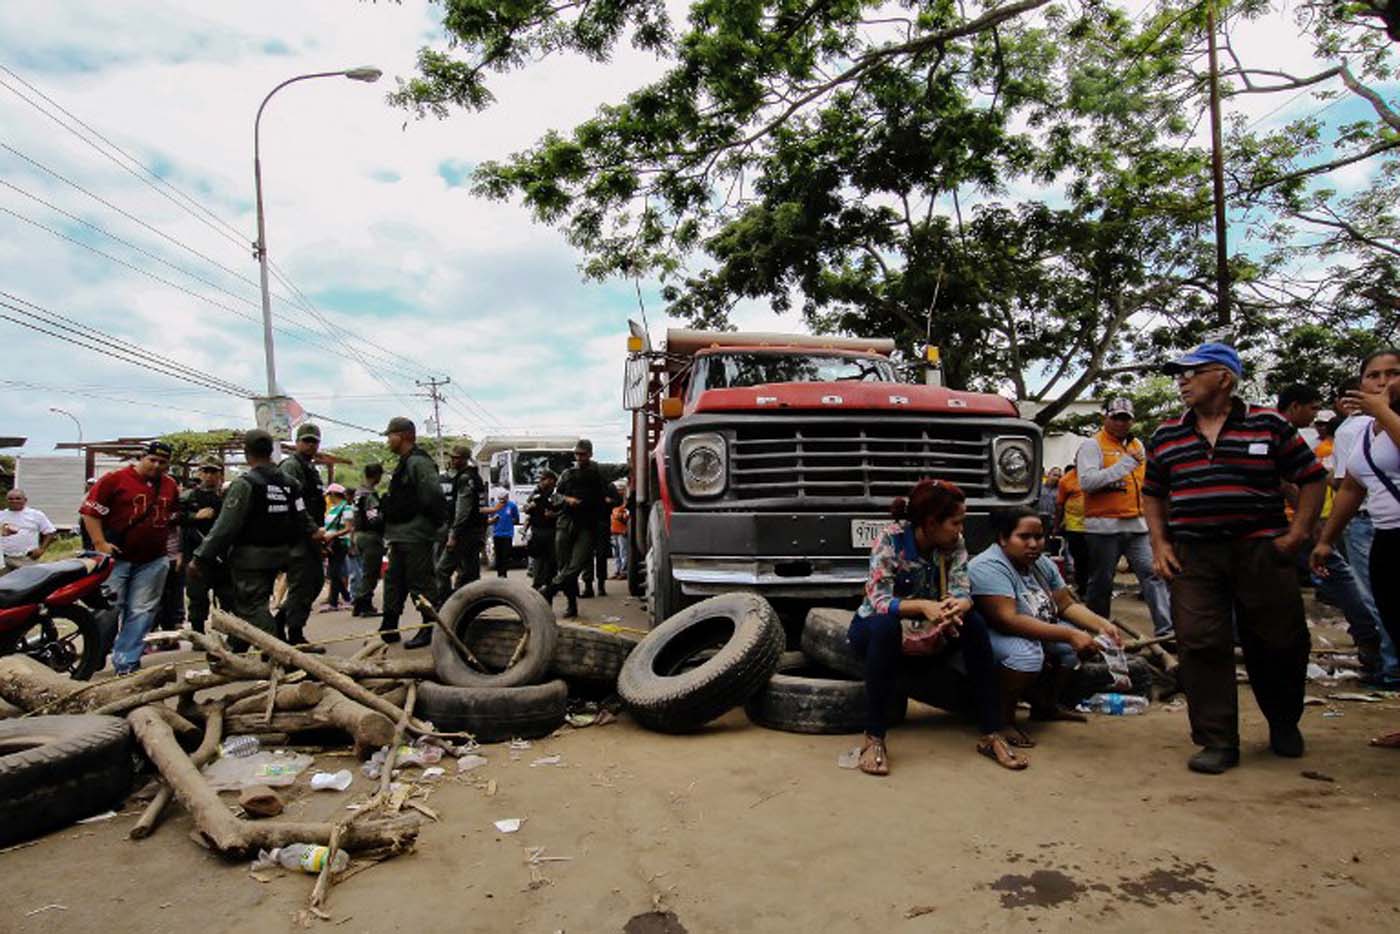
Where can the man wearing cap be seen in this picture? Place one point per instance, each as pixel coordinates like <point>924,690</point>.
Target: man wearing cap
<point>261,521</point>
<point>1110,467</point>
<point>368,523</point>
<point>579,498</point>
<point>306,575</point>
<point>199,510</point>
<point>541,519</point>
<point>129,514</point>
<point>463,489</point>
<point>1215,511</point>
<point>414,509</point>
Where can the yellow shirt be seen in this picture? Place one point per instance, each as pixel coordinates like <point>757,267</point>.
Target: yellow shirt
<point>1071,497</point>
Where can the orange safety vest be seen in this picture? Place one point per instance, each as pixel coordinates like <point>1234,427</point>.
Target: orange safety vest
<point>1122,500</point>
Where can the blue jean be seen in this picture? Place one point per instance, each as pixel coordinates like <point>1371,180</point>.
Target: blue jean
<point>1019,653</point>
<point>1342,589</point>
<point>879,640</point>
<point>353,563</point>
<point>620,554</point>
<point>1104,550</point>
<point>1358,535</point>
<point>135,590</point>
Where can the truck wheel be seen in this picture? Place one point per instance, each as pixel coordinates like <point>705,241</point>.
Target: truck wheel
<point>664,597</point>
<point>57,770</point>
<point>494,715</point>
<point>664,694</point>
<point>824,641</point>
<point>461,612</point>
<point>582,653</point>
<point>803,699</point>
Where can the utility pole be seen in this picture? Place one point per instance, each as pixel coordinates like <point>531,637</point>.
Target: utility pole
<point>436,396</point>
<point>1217,164</point>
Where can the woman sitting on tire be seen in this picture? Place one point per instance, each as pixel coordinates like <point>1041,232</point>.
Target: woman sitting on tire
<point>1028,610</point>
<point>916,599</point>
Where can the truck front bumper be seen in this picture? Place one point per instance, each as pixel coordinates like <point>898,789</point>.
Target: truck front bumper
<point>781,554</point>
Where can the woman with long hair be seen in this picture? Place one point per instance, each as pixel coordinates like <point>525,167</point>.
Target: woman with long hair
<point>914,616</point>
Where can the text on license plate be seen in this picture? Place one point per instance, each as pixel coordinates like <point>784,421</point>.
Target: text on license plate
<point>865,531</point>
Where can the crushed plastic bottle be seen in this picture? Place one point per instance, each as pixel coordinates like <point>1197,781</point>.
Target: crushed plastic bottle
<point>1115,704</point>
<point>331,781</point>
<point>306,857</point>
<point>1117,661</point>
<point>239,746</point>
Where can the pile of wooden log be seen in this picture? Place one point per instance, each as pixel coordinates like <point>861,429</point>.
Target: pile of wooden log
<point>180,716</point>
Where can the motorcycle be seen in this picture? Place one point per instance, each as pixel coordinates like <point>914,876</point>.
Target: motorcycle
<point>56,613</point>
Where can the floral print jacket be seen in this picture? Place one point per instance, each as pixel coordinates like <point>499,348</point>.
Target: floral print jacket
<point>898,571</point>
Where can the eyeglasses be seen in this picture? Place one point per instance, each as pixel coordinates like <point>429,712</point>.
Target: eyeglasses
<point>1192,372</point>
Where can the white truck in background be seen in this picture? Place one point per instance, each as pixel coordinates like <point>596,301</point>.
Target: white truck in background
<point>512,464</point>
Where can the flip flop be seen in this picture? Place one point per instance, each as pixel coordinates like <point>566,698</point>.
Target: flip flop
<point>1387,741</point>
<point>998,749</point>
<point>874,760</point>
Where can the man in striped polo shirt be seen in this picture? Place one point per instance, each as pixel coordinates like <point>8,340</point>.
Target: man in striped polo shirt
<point>1213,496</point>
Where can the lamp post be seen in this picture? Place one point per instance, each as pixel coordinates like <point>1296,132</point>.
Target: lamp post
<point>75,422</point>
<point>366,74</point>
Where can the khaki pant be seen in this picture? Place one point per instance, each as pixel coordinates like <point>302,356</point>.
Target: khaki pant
<point>13,562</point>
<point>1245,584</point>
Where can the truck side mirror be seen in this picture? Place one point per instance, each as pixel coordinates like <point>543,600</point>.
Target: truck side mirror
<point>671,407</point>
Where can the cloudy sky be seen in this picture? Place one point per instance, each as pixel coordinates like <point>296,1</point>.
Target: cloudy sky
<point>368,218</point>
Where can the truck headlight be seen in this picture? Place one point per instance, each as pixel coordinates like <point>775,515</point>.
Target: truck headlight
<point>704,462</point>
<point>1015,463</point>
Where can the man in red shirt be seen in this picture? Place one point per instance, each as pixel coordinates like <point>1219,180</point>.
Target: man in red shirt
<point>129,514</point>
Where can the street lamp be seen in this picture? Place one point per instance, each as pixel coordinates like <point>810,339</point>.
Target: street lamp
<point>366,74</point>
<point>75,422</point>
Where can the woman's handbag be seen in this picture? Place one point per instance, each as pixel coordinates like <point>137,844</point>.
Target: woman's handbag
<point>922,636</point>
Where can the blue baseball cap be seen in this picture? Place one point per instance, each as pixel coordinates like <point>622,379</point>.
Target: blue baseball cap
<point>1211,352</point>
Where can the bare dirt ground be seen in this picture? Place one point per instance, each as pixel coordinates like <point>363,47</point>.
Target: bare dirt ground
<point>740,829</point>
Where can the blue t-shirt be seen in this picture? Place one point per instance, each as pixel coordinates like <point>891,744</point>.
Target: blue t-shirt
<point>506,520</point>
<point>993,575</point>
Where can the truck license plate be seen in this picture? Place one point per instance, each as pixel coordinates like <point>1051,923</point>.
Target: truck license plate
<point>865,531</point>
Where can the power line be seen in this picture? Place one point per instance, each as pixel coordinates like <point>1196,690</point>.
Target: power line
<point>143,403</point>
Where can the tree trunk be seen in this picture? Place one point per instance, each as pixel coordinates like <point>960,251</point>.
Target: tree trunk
<point>32,685</point>
<point>368,728</point>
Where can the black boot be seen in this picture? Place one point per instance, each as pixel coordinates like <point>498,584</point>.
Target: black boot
<point>587,590</point>
<point>571,592</point>
<point>548,591</point>
<point>420,638</point>
<point>602,590</point>
<point>389,629</point>
<point>298,641</point>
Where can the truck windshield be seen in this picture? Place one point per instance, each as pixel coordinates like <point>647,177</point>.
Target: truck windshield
<point>734,370</point>
<point>530,464</point>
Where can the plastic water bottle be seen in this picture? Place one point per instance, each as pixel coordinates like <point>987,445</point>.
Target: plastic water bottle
<point>309,857</point>
<point>240,746</point>
<point>1118,705</point>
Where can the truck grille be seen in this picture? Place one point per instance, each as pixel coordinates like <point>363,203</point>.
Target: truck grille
<point>875,461</point>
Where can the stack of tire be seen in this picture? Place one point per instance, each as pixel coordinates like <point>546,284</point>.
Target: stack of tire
<point>727,652</point>
<point>526,699</point>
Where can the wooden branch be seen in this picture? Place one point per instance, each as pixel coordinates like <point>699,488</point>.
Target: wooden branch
<point>208,750</point>
<point>1349,230</point>
<point>34,687</point>
<point>232,837</point>
<point>247,667</point>
<point>301,696</point>
<point>186,685</point>
<point>279,651</point>
<point>369,729</point>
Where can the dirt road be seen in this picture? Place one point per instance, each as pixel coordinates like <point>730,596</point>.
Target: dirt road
<point>740,829</point>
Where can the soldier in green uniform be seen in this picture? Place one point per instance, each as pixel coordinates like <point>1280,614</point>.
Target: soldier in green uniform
<point>199,509</point>
<point>306,574</point>
<point>369,539</point>
<point>580,498</point>
<point>414,509</point>
<point>460,561</point>
<point>602,545</point>
<point>542,520</point>
<point>263,518</point>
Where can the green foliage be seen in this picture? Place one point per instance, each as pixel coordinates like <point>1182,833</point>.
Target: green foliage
<point>1321,357</point>
<point>360,453</point>
<point>1154,399</point>
<point>190,446</point>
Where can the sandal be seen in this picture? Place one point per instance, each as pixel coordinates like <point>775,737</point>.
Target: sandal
<point>996,747</point>
<point>1018,737</point>
<point>1387,741</point>
<point>874,760</point>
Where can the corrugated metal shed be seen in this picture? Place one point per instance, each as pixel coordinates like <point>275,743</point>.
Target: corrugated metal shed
<point>55,485</point>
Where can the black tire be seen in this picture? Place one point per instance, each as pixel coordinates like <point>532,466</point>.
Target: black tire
<point>801,698</point>
<point>494,715</point>
<point>460,612</point>
<point>582,653</point>
<point>664,597</point>
<point>67,639</point>
<point>663,694</point>
<point>57,770</point>
<point>824,641</point>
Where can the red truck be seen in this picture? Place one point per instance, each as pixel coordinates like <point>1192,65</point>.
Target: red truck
<point>768,462</point>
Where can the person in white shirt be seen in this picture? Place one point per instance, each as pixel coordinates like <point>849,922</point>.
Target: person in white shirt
<point>1373,477</point>
<point>27,532</point>
<point>1378,370</point>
